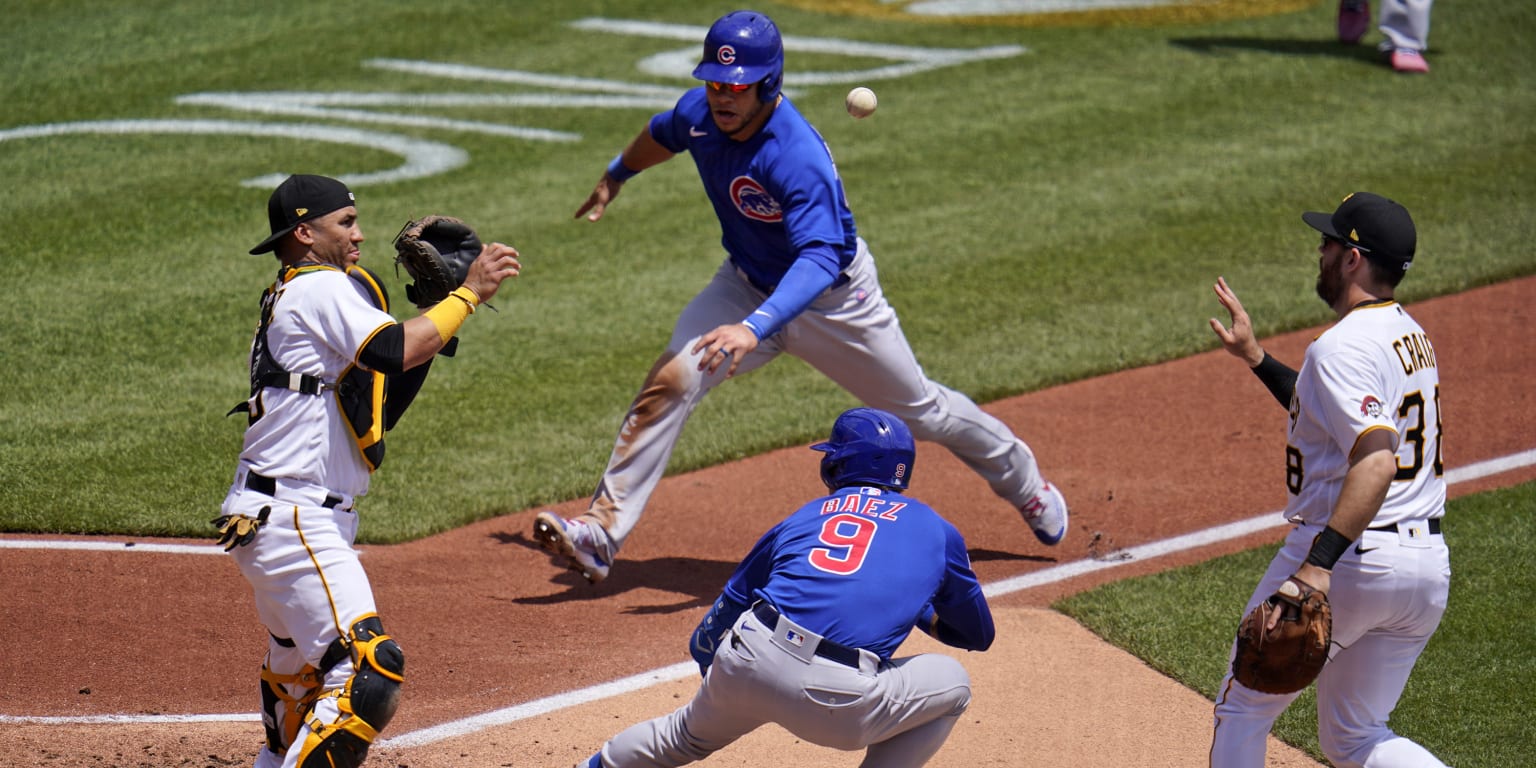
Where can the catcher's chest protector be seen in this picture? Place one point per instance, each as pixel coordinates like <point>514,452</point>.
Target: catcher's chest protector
<point>359,392</point>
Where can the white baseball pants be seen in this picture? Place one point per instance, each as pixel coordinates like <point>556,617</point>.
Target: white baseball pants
<point>1388,595</point>
<point>851,335</point>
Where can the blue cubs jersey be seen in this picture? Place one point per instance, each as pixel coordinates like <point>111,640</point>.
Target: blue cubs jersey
<point>860,566</point>
<point>775,193</point>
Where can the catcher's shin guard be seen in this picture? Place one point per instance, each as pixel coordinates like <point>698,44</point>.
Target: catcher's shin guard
<point>287,698</point>
<point>364,705</point>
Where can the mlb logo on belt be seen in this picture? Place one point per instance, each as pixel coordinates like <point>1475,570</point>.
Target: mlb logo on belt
<point>794,637</point>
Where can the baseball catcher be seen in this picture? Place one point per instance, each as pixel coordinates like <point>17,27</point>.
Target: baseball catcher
<point>1283,642</point>
<point>436,251</point>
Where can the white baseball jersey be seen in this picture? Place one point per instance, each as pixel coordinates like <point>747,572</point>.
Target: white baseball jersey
<point>1374,369</point>
<point>319,323</point>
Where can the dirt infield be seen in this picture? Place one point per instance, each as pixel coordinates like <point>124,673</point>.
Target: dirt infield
<point>489,625</point>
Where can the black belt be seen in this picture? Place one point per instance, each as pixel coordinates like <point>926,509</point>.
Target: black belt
<point>842,654</point>
<point>266,485</point>
<point>1434,526</point>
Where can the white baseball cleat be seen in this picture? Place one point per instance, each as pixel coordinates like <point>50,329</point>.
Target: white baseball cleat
<point>573,540</point>
<point>1047,514</point>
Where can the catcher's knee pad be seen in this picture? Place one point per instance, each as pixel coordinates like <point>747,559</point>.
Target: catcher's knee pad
<point>365,705</point>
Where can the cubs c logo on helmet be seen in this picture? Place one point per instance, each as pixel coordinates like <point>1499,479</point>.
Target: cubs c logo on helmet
<point>754,202</point>
<point>726,54</point>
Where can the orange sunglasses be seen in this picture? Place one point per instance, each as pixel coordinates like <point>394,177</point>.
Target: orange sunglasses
<point>732,87</point>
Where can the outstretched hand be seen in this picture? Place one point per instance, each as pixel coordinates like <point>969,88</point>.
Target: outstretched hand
<point>1238,340</point>
<point>603,194</point>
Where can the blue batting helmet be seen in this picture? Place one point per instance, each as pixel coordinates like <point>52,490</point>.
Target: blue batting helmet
<point>744,47</point>
<point>867,447</point>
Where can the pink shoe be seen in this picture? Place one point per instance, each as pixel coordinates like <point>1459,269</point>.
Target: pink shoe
<point>1409,61</point>
<point>1354,19</point>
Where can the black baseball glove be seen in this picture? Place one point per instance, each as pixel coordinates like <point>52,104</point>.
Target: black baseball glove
<point>436,251</point>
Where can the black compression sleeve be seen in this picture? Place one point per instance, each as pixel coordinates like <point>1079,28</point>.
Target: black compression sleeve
<point>1279,378</point>
<point>385,352</point>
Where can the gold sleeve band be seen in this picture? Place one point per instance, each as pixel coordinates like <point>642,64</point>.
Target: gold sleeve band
<point>449,314</point>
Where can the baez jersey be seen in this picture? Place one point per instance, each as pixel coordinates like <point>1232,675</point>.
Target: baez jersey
<point>775,194</point>
<point>1374,369</point>
<point>859,567</point>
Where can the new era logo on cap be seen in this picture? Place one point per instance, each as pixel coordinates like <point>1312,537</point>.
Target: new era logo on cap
<point>307,197</point>
<point>1380,228</point>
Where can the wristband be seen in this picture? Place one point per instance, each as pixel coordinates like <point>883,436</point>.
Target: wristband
<point>620,172</point>
<point>448,315</point>
<point>1278,378</point>
<point>1327,548</point>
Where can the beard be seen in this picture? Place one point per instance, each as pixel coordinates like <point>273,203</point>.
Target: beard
<point>1330,283</point>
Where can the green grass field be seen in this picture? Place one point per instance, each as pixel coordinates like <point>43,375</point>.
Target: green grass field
<point>1038,218</point>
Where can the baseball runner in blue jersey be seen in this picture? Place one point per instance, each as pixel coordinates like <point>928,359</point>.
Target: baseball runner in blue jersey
<point>331,371</point>
<point>804,631</point>
<point>797,280</point>
<point>1367,493</point>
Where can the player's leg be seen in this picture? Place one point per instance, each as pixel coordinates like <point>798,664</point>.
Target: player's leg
<point>922,697</point>
<point>1243,716</point>
<point>336,674</point>
<point>1402,592</point>
<point>1406,23</point>
<point>281,683</point>
<point>852,335</point>
<point>359,695</point>
<point>1356,692</point>
<point>732,702</point>
<point>286,683</point>
<point>1405,27</point>
<point>672,389</point>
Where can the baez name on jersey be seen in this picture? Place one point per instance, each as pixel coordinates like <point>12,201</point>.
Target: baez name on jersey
<point>1414,352</point>
<point>868,506</point>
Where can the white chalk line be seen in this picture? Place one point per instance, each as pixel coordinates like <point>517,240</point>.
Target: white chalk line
<point>549,704</point>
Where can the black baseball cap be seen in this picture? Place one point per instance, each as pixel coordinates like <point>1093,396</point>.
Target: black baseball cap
<point>1380,228</point>
<point>298,199</point>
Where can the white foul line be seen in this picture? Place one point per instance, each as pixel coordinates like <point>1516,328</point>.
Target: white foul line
<point>549,704</point>
<point>112,546</point>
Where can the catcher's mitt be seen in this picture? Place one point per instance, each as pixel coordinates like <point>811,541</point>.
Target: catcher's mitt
<point>1287,658</point>
<point>437,252</point>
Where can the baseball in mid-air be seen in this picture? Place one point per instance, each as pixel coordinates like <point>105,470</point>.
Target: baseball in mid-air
<point>861,102</point>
